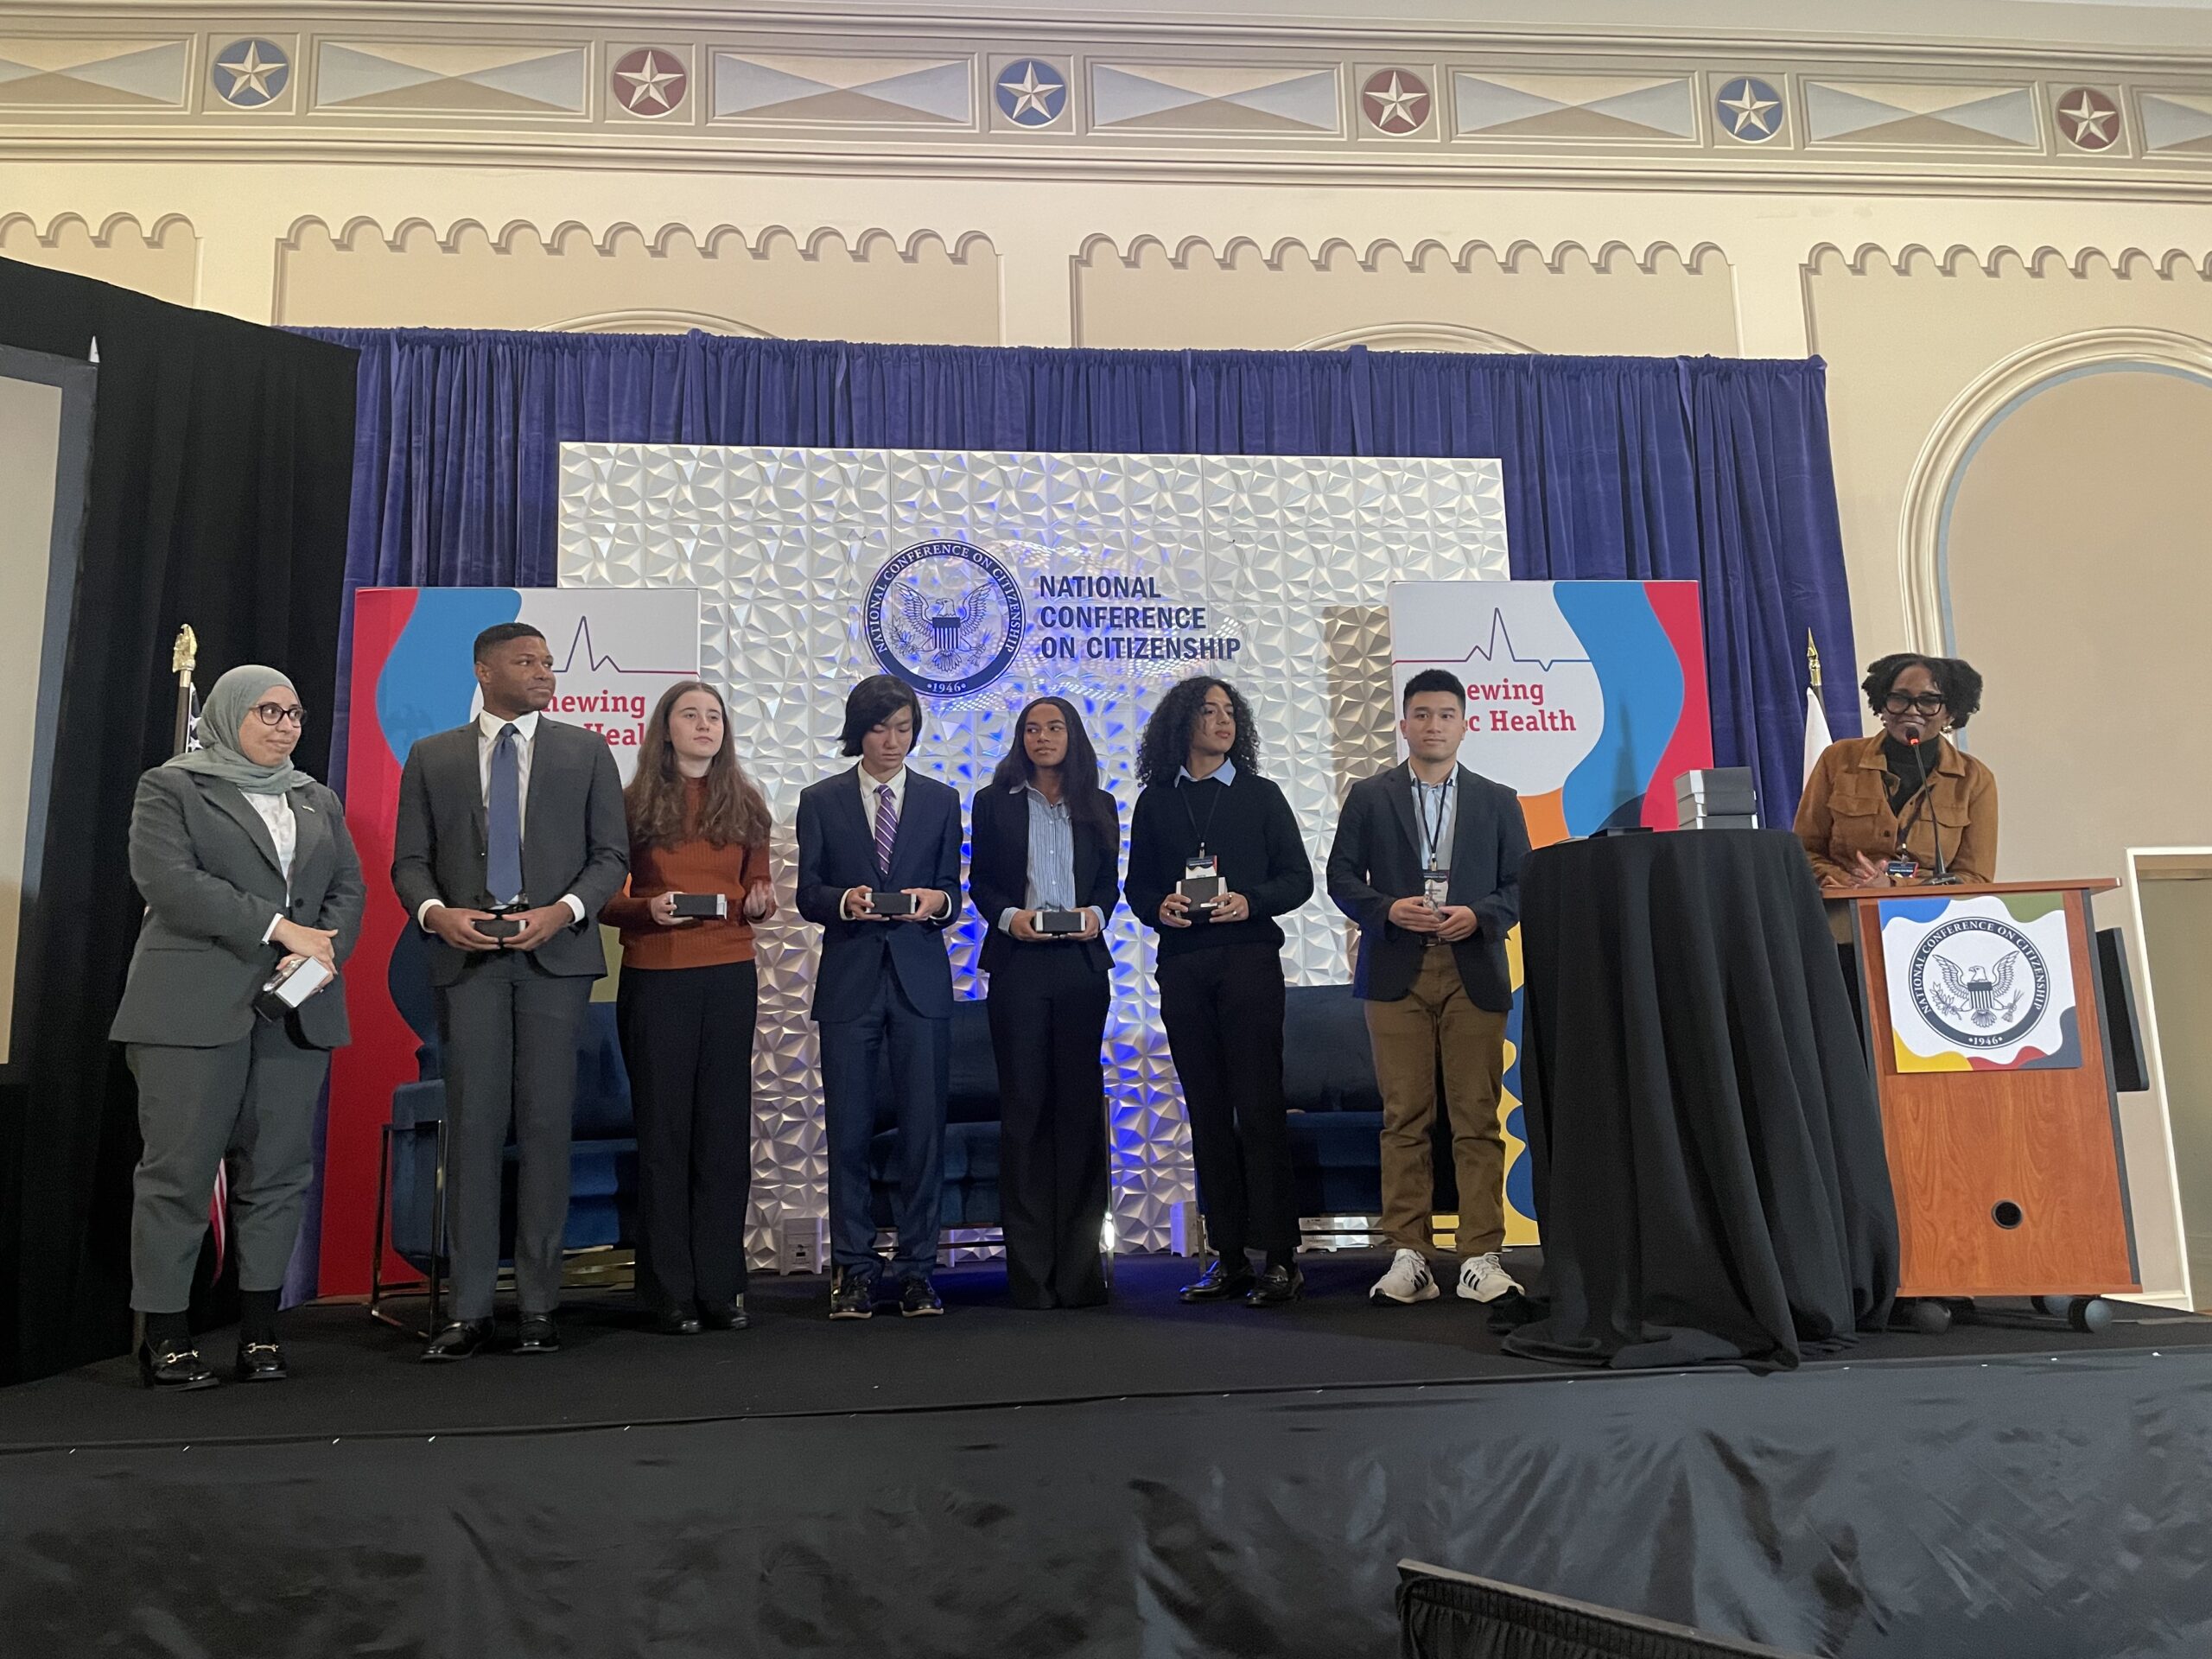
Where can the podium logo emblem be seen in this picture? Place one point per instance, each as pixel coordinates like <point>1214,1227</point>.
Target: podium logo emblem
<point>1979,982</point>
<point>944,617</point>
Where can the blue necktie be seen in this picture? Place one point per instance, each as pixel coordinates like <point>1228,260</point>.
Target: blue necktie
<point>502,811</point>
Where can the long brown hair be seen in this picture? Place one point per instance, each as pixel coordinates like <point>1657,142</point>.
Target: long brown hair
<point>734,811</point>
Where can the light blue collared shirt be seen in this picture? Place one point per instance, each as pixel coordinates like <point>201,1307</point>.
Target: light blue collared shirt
<point>1052,859</point>
<point>1226,771</point>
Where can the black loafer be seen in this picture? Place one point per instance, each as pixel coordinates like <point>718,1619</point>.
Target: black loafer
<point>457,1341</point>
<point>1223,1280</point>
<point>1276,1286</point>
<point>537,1335</point>
<point>676,1322</point>
<point>725,1316</point>
<point>261,1362</point>
<point>177,1369</point>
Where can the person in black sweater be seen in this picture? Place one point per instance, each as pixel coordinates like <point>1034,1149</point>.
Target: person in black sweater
<point>1206,809</point>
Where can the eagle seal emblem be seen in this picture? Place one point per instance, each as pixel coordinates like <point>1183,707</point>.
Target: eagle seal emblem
<point>1979,982</point>
<point>945,617</point>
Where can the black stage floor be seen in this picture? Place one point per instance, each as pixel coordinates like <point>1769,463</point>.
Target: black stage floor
<point>1142,1478</point>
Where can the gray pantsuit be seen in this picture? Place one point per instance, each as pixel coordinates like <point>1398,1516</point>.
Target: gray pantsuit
<point>214,1078</point>
<point>253,1100</point>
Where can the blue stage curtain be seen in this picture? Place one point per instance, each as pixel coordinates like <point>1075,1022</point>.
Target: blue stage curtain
<point>1715,470</point>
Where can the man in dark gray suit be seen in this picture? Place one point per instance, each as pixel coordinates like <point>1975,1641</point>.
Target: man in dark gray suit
<point>510,822</point>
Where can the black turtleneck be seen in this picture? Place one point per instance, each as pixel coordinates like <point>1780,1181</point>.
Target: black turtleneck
<point>1903,763</point>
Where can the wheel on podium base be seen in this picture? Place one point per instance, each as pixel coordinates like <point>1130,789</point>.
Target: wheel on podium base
<point>2054,1307</point>
<point>1931,1318</point>
<point>2089,1313</point>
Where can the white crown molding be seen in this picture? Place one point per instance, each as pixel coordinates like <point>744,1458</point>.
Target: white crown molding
<point>117,229</point>
<point>2128,263</point>
<point>1937,468</point>
<point>721,241</point>
<point>1098,250</point>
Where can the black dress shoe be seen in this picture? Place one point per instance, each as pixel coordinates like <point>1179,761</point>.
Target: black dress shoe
<point>725,1316</point>
<point>675,1322</point>
<point>458,1341</point>
<point>1276,1286</point>
<point>853,1297</point>
<point>261,1362</point>
<point>537,1335</point>
<point>918,1299</point>
<point>175,1368</point>
<point>1225,1280</point>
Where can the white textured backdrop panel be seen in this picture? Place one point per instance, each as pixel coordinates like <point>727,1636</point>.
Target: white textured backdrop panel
<point>1290,553</point>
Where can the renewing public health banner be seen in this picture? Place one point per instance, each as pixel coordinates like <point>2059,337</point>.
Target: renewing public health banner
<point>414,674</point>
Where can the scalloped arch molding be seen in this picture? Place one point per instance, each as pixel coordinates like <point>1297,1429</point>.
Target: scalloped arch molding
<point>1976,412</point>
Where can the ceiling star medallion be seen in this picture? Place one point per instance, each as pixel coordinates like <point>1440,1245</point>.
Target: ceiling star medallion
<point>1395,102</point>
<point>1749,110</point>
<point>1031,93</point>
<point>650,82</point>
<point>2089,119</point>
<point>250,73</point>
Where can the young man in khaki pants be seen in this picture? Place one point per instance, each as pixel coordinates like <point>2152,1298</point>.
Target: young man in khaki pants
<point>1427,862</point>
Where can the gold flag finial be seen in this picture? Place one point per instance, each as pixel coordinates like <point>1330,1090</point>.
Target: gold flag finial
<point>185,656</point>
<point>1813,659</point>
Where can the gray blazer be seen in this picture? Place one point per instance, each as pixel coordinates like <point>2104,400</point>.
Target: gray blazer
<point>203,859</point>
<point>575,838</point>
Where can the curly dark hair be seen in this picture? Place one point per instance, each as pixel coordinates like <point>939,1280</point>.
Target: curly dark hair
<point>1079,786</point>
<point>1167,742</point>
<point>1954,676</point>
<point>873,701</point>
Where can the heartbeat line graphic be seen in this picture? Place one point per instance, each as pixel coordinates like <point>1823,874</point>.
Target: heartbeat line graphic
<point>596,663</point>
<point>1499,631</point>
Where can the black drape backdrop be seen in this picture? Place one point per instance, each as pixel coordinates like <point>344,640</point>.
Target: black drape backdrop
<point>222,465</point>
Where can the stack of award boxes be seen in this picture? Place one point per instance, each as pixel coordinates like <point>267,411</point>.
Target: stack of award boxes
<point>1721,799</point>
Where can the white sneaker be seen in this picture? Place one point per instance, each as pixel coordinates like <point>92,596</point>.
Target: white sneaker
<point>1407,1280</point>
<point>1483,1278</point>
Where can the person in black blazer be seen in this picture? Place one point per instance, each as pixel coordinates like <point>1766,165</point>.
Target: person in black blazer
<point>1221,984</point>
<point>1046,836</point>
<point>1428,860</point>
<point>513,819</point>
<point>246,867</point>
<point>883,991</point>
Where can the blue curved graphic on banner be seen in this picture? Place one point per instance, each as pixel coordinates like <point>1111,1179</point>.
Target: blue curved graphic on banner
<point>430,679</point>
<point>1641,679</point>
<point>1520,1185</point>
<point>1912,910</point>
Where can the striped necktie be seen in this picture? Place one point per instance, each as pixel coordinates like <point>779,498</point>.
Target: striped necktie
<point>886,827</point>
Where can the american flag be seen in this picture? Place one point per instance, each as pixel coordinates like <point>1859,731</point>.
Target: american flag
<point>219,1202</point>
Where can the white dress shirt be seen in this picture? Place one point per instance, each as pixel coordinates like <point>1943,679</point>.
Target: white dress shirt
<point>276,811</point>
<point>870,800</point>
<point>488,728</point>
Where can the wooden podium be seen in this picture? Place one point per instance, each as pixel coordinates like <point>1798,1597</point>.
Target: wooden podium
<point>2008,1182</point>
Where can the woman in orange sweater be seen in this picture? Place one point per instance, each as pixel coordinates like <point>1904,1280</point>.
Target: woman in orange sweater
<point>686,1006</point>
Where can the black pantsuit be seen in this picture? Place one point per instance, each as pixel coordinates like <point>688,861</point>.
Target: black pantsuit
<point>1224,1011</point>
<point>687,1038</point>
<point>1047,1010</point>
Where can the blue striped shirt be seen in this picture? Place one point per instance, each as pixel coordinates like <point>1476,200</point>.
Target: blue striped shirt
<point>1052,857</point>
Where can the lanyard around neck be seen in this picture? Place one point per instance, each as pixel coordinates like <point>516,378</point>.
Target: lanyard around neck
<point>1433,838</point>
<point>1213,805</point>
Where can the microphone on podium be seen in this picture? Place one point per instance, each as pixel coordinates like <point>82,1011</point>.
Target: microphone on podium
<point>1942,878</point>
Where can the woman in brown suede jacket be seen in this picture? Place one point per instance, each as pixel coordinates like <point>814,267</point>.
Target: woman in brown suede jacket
<point>1903,806</point>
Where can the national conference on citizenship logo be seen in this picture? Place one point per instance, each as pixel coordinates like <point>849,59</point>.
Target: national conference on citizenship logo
<point>945,617</point>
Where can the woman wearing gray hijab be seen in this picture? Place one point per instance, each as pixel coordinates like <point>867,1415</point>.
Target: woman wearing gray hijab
<point>246,869</point>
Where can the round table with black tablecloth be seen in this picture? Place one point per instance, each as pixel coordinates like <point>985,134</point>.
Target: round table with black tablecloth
<point>1702,1128</point>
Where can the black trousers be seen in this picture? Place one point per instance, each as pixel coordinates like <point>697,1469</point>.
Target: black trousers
<point>1047,1009</point>
<point>1224,1011</point>
<point>687,1038</point>
<point>511,1033</point>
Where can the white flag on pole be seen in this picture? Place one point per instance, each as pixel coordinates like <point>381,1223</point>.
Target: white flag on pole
<point>1816,717</point>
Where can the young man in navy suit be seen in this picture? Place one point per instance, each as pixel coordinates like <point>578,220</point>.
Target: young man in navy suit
<point>884,988</point>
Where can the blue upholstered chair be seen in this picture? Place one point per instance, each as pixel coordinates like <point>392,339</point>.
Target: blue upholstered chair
<point>971,1132</point>
<point>602,1156</point>
<point>1336,1110</point>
